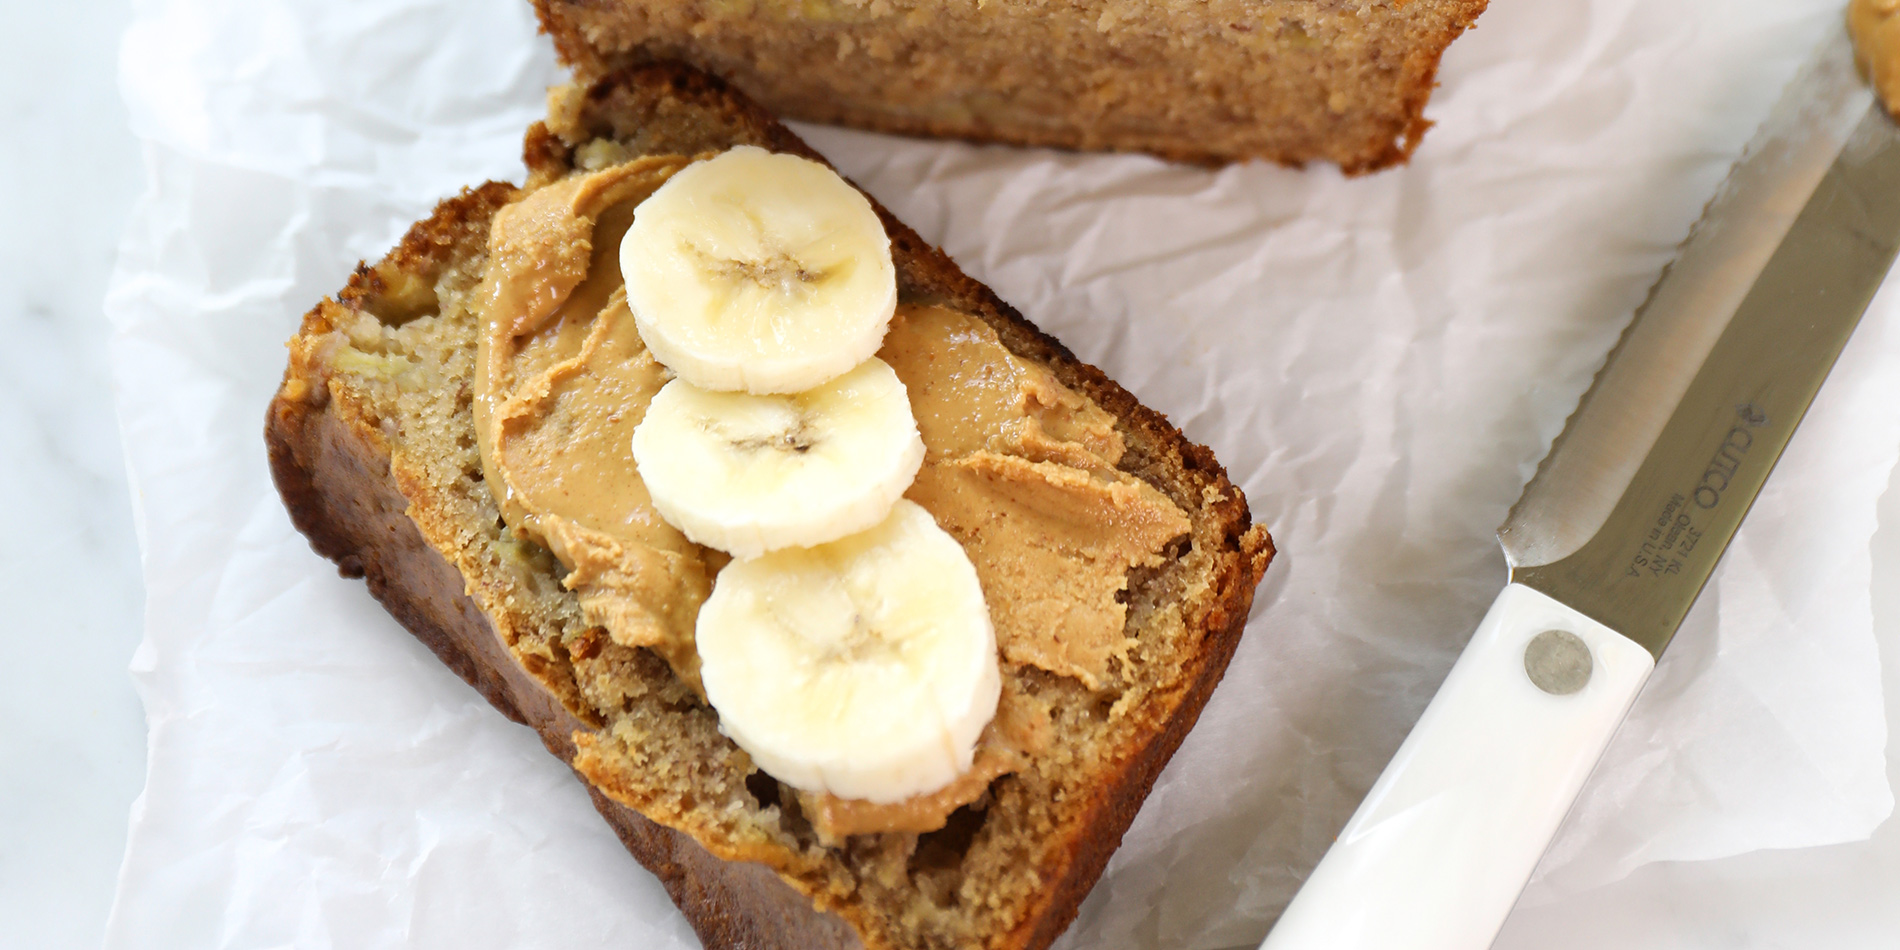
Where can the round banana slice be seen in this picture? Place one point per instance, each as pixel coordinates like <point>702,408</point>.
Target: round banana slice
<point>749,474</point>
<point>760,272</point>
<point>865,668</point>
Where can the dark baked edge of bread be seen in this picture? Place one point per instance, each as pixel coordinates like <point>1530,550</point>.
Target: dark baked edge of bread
<point>1404,129</point>
<point>336,479</point>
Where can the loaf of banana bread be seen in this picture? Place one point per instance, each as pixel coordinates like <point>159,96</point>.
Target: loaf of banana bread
<point>1290,81</point>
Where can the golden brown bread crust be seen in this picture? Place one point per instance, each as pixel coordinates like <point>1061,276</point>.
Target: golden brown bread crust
<point>332,463</point>
<point>335,477</point>
<point>1287,81</point>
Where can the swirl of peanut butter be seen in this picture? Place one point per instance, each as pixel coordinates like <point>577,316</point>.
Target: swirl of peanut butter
<point>1019,468</point>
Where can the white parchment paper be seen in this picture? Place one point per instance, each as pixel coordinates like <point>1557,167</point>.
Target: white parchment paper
<point>1379,362</point>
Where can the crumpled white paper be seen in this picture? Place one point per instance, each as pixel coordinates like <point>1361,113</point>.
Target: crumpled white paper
<point>1379,362</point>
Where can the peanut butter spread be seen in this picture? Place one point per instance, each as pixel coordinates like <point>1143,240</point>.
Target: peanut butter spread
<point>1875,25</point>
<point>1018,468</point>
<point>562,379</point>
<point>1021,470</point>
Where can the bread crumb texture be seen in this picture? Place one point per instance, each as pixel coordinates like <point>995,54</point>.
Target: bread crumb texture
<point>393,358</point>
<point>1214,81</point>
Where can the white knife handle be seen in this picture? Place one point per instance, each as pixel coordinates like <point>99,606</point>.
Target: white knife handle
<point>1442,845</point>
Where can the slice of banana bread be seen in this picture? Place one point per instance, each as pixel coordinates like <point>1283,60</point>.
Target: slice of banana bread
<point>1213,81</point>
<point>372,444</point>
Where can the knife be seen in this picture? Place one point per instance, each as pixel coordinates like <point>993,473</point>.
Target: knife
<point>1615,535</point>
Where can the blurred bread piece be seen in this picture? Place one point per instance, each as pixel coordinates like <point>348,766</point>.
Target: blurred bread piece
<point>1209,81</point>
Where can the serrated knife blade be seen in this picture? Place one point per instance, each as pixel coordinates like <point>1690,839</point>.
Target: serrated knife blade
<point>1622,525</point>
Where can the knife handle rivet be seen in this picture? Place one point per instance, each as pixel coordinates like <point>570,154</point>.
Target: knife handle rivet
<point>1558,662</point>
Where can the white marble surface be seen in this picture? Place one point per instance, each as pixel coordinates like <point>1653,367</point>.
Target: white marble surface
<point>72,747</point>
<point>71,752</point>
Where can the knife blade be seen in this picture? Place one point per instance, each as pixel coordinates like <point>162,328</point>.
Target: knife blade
<point>1621,526</point>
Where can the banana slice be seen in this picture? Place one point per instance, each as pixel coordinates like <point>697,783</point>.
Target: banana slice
<point>760,272</point>
<point>865,668</point>
<point>749,474</point>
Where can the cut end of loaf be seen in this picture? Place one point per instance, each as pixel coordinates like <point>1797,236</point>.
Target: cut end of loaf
<point>1287,81</point>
